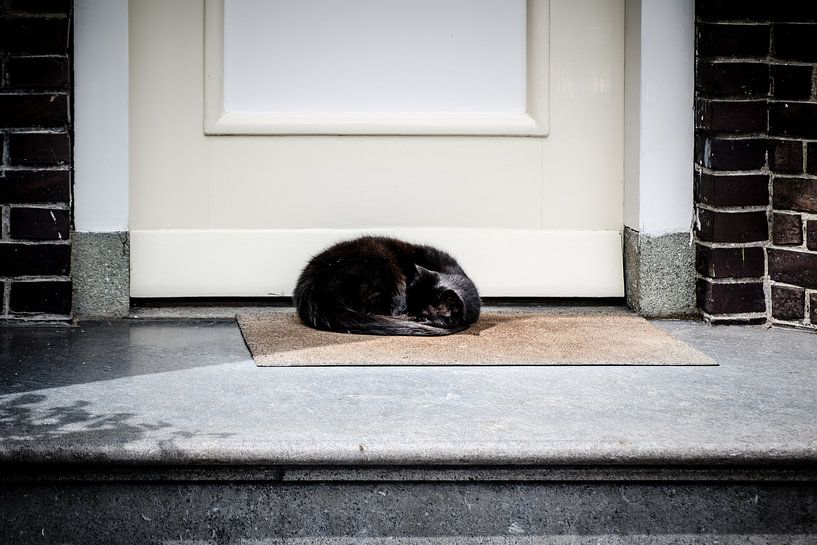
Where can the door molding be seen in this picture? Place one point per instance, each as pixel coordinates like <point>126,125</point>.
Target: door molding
<point>532,122</point>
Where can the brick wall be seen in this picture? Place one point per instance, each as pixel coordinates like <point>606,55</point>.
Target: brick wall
<point>35,158</point>
<point>756,161</point>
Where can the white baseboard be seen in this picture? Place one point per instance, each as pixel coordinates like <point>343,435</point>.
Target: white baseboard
<point>254,263</point>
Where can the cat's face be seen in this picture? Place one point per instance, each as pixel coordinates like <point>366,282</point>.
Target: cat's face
<point>443,307</point>
<point>438,299</point>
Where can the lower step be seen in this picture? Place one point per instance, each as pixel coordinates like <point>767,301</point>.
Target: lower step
<point>255,506</point>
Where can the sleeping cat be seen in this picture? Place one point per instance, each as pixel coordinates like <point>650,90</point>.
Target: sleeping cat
<point>384,286</point>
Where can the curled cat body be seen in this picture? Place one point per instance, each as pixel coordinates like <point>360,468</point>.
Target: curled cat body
<point>385,286</point>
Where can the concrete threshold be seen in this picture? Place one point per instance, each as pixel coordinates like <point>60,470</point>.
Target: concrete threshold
<point>162,430</point>
<point>178,391</point>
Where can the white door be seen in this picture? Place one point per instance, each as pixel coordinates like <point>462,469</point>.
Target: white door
<point>264,130</point>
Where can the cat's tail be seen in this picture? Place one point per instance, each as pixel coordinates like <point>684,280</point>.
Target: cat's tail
<point>349,321</point>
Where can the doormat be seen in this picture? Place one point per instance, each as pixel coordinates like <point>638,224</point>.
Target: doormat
<point>498,338</point>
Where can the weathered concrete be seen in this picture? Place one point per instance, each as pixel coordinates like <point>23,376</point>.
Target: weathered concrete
<point>100,270</point>
<point>408,513</point>
<point>659,274</point>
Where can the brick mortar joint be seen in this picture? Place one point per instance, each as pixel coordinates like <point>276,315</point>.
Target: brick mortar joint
<point>795,249</point>
<point>784,101</point>
<point>4,57</point>
<point>734,316</point>
<point>13,15</point>
<point>36,278</point>
<point>804,325</point>
<point>733,137</point>
<point>787,285</point>
<point>48,205</point>
<point>730,245</point>
<point>55,242</point>
<point>808,216</point>
<point>732,209</point>
<point>41,168</point>
<point>737,99</point>
<point>701,169</point>
<point>62,56</point>
<point>728,280</point>
<point>750,21</point>
<point>6,297</point>
<point>767,287</point>
<point>30,93</point>
<point>35,317</point>
<point>767,60</point>
<point>5,222</point>
<point>35,130</point>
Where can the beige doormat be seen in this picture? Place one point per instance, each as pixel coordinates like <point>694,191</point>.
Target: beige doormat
<point>499,338</point>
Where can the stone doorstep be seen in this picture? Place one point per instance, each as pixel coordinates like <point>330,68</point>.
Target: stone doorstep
<point>184,394</point>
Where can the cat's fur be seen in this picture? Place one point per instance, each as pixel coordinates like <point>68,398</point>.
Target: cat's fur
<point>384,286</point>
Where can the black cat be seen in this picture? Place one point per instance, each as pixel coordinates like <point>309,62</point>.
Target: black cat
<point>384,286</point>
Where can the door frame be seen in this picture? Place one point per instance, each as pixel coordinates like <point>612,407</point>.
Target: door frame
<point>659,124</point>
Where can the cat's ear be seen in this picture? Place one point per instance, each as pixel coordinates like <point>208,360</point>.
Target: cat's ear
<point>422,271</point>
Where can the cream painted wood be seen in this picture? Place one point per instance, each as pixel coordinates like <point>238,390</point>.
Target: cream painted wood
<point>267,262</point>
<point>568,183</point>
<point>533,121</point>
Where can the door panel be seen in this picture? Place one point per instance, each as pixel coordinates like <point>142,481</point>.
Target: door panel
<point>238,215</point>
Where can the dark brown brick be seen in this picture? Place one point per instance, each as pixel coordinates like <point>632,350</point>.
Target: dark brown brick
<point>733,10</point>
<point>731,116</point>
<point>33,111</point>
<point>61,7</point>
<point>732,298</point>
<point>793,11</point>
<point>39,224</point>
<point>786,156</point>
<point>811,160</point>
<point>37,72</point>
<point>39,149</point>
<point>34,259</point>
<point>34,35</point>
<point>32,186</point>
<point>813,305</point>
<point>732,79</point>
<point>811,235</point>
<point>730,262</point>
<point>795,42</point>
<point>732,154</point>
<point>793,267</point>
<point>791,82</point>
<point>732,226</point>
<point>2,297</point>
<point>788,303</point>
<point>723,40</point>
<point>794,119</point>
<point>734,190</point>
<point>795,194</point>
<point>787,230</point>
<point>47,297</point>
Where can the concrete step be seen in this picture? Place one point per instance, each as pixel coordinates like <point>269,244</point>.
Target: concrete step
<point>277,505</point>
<point>164,431</point>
